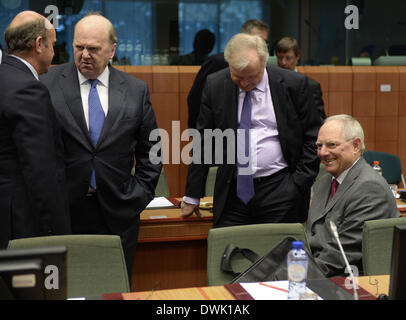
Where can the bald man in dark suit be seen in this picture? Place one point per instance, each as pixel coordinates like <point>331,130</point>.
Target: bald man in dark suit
<point>33,199</point>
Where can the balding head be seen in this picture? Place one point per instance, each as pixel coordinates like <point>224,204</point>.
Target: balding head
<point>94,44</point>
<point>24,29</point>
<point>25,17</point>
<point>32,37</point>
<point>97,21</point>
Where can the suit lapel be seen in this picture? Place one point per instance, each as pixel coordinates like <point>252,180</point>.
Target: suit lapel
<point>70,88</point>
<point>117,92</point>
<point>320,198</point>
<point>349,180</point>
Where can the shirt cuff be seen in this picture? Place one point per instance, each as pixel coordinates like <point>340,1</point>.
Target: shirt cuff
<point>189,200</point>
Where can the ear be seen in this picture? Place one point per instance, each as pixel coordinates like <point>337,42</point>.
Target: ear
<point>39,43</point>
<point>113,50</point>
<point>357,144</point>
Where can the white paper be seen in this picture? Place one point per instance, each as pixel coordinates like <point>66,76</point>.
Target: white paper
<point>270,290</point>
<point>160,202</point>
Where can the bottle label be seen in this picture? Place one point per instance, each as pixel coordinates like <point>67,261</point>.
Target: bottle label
<point>297,272</point>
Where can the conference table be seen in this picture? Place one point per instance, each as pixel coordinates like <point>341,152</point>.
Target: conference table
<point>370,288</point>
<point>171,250</point>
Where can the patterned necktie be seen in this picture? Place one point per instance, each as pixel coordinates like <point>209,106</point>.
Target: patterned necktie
<point>334,186</point>
<point>96,120</point>
<point>245,181</point>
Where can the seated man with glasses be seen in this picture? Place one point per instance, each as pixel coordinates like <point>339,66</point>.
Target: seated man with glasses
<point>350,194</point>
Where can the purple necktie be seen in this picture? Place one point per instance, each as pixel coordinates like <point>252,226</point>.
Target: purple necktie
<point>245,181</point>
<point>96,120</point>
<point>334,186</point>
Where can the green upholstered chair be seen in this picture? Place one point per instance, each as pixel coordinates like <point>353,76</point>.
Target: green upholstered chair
<point>390,164</point>
<point>162,189</point>
<point>260,238</point>
<point>95,263</point>
<point>210,181</point>
<point>377,241</point>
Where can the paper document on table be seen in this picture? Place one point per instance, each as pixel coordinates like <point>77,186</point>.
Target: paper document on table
<point>270,290</point>
<point>160,202</point>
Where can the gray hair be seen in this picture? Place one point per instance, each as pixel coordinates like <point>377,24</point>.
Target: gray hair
<point>351,128</point>
<point>234,52</point>
<point>22,38</point>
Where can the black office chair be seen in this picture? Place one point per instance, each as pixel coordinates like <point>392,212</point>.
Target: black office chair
<point>390,164</point>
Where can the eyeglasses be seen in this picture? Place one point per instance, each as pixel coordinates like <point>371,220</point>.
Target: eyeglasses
<point>330,145</point>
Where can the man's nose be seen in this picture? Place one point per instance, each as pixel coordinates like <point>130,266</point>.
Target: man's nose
<point>85,53</point>
<point>322,150</point>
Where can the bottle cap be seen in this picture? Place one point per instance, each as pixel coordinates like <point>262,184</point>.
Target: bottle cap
<point>376,163</point>
<point>297,245</point>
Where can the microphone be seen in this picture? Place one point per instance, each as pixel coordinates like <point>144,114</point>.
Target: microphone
<point>333,228</point>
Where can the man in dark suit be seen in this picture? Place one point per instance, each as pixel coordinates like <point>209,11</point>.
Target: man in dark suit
<point>288,54</point>
<point>349,194</point>
<point>33,199</point>
<point>215,63</point>
<point>106,118</point>
<point>282,124</point>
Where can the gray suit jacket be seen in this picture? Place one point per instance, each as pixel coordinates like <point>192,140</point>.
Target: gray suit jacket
<point>363,195</point>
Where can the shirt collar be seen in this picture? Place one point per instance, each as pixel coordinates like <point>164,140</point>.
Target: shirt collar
<point>262,86</point>
<point>103,78</point>
<point>343,174</point>
<point>32,69</point>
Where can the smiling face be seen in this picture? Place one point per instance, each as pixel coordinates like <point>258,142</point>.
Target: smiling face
<point>92,46</point>
<point>336,152</point>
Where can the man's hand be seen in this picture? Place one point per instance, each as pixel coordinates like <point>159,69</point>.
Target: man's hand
<point>188,209</point>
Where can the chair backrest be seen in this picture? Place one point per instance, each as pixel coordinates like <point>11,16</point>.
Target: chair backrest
<point>162,189</point>
<point>390,164</point>
<point>210,182</point>
<point>273,61</point>
<point>377,241</point>
<point>260,238</point>
<point>95,263</point>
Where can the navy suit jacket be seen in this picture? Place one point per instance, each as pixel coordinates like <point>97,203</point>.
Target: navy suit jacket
<point>124,137</point>
<point>33,199</point>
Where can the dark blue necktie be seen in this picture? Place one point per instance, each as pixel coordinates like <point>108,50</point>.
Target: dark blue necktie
<point>245,181</point>
<point>96,120</point>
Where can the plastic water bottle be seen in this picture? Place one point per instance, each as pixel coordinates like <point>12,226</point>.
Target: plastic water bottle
<point>377,168</point>
<point>297,270</point>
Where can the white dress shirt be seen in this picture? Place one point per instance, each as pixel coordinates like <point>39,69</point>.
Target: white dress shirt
<point>102,89</point>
